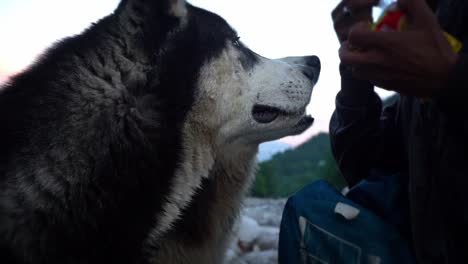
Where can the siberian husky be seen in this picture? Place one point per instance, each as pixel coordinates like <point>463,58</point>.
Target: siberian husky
<point>135,141</point>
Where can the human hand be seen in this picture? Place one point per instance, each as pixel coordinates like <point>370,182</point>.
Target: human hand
<point>349,12</point>
<point>415,61</point>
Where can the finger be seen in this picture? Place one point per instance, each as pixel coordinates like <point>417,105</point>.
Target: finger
<point>378,74</point>
<point>419,13</point>
<point>392,80</point>
<point>360,5</point>
<point>387,79</point>
<point>362,36</point>
<point>343,21</point>
<point>365,57</point>
<point>348,21</point>
<point>339,9</point>
<point>355,7</point>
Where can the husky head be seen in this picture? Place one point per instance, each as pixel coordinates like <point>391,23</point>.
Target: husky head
<point>255,99</point>
<point>237,96</point>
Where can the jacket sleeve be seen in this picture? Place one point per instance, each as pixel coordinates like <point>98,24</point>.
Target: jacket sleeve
<point>453,99</point>
<point>363,137</point>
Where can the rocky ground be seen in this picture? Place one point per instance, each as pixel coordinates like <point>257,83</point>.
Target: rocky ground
<point>256,240</point>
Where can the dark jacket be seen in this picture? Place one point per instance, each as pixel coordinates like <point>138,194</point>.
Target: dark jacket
<point>427,140</point>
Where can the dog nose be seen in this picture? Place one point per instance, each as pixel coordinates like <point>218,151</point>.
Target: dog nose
<point>312,68</point>
<point>313,61</point>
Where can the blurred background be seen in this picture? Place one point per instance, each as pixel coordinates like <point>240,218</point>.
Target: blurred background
<point>271,28</point>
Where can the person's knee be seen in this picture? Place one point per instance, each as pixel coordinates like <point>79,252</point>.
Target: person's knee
<point>316,190</point>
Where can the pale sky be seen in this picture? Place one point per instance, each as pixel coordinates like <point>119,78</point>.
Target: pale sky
<point>272,28</point>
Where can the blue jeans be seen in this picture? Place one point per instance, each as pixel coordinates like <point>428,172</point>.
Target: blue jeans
<point>320,225</point>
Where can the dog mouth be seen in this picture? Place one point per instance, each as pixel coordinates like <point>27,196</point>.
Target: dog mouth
<point>304,123</point>
<point>265,114</point>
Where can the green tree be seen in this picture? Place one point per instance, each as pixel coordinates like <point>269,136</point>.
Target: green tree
<point>289,171</point>
<point>263,183</point>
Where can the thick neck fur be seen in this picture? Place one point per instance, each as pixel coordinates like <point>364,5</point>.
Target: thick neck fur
<point>228,170</point>
<point>205,197</point>
<point>197,162</point>
<point>205,229</point>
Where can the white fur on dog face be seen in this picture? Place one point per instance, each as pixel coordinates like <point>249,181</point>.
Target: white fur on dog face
<point>232,93</point>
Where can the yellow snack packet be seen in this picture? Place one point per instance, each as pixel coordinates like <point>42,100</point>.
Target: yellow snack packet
<point>393,19</point>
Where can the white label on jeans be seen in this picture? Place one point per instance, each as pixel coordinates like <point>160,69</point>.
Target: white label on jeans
<point>373,259</point>
<point>347,211</point>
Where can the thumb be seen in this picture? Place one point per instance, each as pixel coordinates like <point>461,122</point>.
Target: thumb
<point>418,12</point>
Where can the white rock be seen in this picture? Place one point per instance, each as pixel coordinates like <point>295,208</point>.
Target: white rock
<point>256,232</point>
<point>268,238</point>
<point>265,211</point>
<point>249,230</point>
<point>261,257</point>
<point>230,255</point>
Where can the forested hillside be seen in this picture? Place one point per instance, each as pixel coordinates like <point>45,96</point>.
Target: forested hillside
<point>287,172</point>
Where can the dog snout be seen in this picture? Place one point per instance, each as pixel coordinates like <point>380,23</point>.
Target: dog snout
<point>312,68</point>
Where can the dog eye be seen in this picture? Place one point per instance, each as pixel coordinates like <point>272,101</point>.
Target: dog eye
<point>236,42</point>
